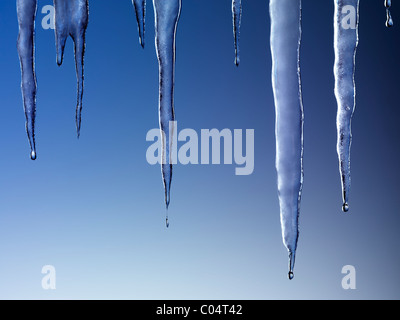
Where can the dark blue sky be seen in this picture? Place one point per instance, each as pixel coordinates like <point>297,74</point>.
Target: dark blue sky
<point>94,208</point>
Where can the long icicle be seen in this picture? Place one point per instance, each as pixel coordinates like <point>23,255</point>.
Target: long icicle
<point>140,10</point>
<point>345,44</point>
<point>237,17</point>
<point>71,19</point>
<point>285,49</point>
<point>26,11</point>
<point>166,21</point>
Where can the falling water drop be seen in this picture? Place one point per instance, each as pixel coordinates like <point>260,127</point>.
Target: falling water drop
<point>345,207</point>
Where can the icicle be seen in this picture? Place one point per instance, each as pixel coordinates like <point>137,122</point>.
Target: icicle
<point>237,16</point>
<point>285,50</point>
<point>166,20</point>
<point>389,20</point>
<point>345,42</point>
<point>71,19</point>
<point>26,11</point>
<point>140,9</point>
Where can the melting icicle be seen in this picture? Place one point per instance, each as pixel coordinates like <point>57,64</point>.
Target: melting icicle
<point>237,17</point>
<point>26,11</point>
<point>140,9</point>
<point>71,19</point>
<point>389,20</point>
<point>285,49</point>
<point>166,20</point>
<point>345,42</point>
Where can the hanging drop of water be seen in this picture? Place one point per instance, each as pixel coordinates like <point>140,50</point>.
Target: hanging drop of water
<point>345,207</point>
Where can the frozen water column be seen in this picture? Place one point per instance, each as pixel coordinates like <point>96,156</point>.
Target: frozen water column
<point>285,50</point>
<point>345,45</point>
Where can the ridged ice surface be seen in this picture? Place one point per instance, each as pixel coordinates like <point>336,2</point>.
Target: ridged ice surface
<point>237,17</point>
<point>26,12</point>
<point>140,10</point>
<point>71,19</point>
<point>345,44</point>
<point>285,49</point>
<point>166,20</point>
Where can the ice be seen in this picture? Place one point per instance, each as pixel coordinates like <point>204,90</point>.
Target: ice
<point>26,12</point>
<point>345,44</point>
<point>71,19</point>
<point>166,21</point>
<point>285,50</point>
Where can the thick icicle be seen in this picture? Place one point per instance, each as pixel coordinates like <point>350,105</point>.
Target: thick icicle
<point>285,50</point>
<point>389,20</point>
<point>71,19</point>
<point>140,10</point>
<point>345,43</point>
<point>26,11</point>
<point>237,17</point>
<point>166,20</point>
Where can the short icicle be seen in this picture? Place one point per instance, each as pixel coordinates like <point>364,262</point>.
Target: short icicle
<point>140,10</point>
<point>237,17</point>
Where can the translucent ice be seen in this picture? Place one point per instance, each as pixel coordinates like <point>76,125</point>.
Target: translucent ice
<point>71,19</point>
<point>345,43</point>
<point>26,11</point>
<point>237,16</point>
<point>166,21</point>
<point>285,50</point>
<point>140,9</point>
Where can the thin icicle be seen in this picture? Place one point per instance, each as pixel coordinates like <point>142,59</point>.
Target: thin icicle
<point>285,49</point>
<point>389,20</point>
<point>237,17</point>
<point>166,21</point>
<point>140,10</point>
<point>71,19</point>
<point>26,11</point>
<point>345,43</point>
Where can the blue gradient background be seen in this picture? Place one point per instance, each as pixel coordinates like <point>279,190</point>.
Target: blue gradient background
<point>94,208</point>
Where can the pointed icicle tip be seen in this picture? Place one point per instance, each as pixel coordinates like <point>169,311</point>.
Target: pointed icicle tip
<point>291,265</point>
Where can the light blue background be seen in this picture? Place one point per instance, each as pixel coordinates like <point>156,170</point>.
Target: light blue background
<point>94,208</point>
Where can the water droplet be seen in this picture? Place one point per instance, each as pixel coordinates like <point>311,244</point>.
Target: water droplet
<point>388,3</point>
<point>345,207</point>
<point>389,23</point>
<point>167,222</point>
<point>33,155</point>
<point>291,275</point>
